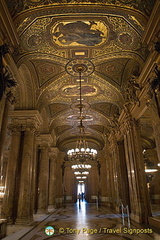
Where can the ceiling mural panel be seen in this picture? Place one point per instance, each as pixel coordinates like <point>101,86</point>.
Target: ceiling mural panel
<point>87,90</point>
<point>79,33</point>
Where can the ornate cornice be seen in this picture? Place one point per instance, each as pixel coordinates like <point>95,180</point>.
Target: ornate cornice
<point>133,5</point>
<point>26,118</point>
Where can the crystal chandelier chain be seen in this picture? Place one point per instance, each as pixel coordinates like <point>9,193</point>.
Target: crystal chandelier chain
<point>82,152</point>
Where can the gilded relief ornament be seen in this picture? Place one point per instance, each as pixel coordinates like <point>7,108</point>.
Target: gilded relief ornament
<point>34,40</point>
<point>86,65</point>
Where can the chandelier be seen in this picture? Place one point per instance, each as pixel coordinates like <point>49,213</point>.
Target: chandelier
<point>81,171</point>
<point>82,153</point>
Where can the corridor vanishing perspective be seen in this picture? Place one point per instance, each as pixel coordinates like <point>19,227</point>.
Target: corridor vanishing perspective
<point>84,222</point>
<point>80,119</point>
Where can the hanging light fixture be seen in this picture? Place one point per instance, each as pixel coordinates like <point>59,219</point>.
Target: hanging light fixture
<point>82,153</point>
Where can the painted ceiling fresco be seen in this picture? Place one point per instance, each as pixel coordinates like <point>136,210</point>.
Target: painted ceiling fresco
<point>56,36</point>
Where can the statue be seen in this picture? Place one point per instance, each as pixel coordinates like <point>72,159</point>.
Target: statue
<point>131,91</point>
<point>6,78</point>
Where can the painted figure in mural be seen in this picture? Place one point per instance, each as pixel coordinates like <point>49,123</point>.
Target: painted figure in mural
<point>79,32</point>
<point>75,90</point>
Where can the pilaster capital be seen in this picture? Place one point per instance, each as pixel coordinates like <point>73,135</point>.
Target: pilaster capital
<point>53,153</point>
<point>112,140</point>
<point>61,156</point>
<point>44,140</point>
<point>28,128</point>
<point>29,120</point>
<point>15,128</point>
<point>129,123</point>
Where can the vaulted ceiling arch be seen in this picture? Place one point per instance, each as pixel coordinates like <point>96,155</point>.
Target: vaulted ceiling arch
<point>54,37</point>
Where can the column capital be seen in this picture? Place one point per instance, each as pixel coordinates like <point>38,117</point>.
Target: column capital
<point>53,153</point>
<point>44,140</point>
<point>15,128</point>
<point>129,123</point>
<point>28,119</point>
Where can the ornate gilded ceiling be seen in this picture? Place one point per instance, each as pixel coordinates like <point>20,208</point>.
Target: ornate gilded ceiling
<point>104,36</point>
<point>16,6</point>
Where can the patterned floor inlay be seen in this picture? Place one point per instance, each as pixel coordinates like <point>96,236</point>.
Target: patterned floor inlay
<point>86,222</point>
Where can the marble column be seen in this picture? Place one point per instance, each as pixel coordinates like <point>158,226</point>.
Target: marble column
<point>8,102</point>
<point>150,156</point>
<point>8,205</point>
<point>140,207</point>
<point>52,177</point>
<point>59,186</point>
<point>69,187</point>
<point>25,213</point>
<point>156,129</point>
<point>103,176</point>
<point>113,167</point>
<point>92,184</point>
<point>43,184</point>
<point>109,179</point>
<point>34,180</point>
<point>29,121</point>
<point>123,177</point>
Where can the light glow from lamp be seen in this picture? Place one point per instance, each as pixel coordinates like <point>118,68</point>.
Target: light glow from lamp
<point>81,166</point>
<point>150,170</point>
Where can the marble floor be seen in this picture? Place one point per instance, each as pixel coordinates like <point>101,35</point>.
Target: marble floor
<point>82,222</point>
